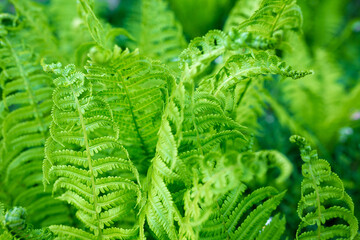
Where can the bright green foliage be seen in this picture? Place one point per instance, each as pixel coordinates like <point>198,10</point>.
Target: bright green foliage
<point>25,120</point>
<point>113,127</point>
<point>324,202</point>
<point>89,166</point>
<point>157,33</point>
<point>135,89</point>
<point>241,12</point>
<point>14,226</point>
<point>254,210</point>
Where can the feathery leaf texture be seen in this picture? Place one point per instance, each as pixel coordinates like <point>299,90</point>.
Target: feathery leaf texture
<point>25,120</point>
<point>256,166</point>
<point>155,142</point>
<point>86,162</point>
<point>136,89</point>
<point>239,83</point>
<point>159,35</point>
<point>272,19</point>
<point>242,11</point>
<point>242,217</point>
<point>325,209</point>
<point>159,209</point>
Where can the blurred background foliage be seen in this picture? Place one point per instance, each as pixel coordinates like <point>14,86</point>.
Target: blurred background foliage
<point>324,107</point>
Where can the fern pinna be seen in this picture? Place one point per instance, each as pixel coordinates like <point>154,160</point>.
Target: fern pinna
<point>325,209</point>
<point>25,120</point>
<point>86,163</point>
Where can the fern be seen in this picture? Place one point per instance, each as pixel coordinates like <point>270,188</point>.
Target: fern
<point>146,137</point>
<point>136,89</point>
<point>158,35</point>
<point>239,83</point>
<point>16,227</point>
<point>40,32</point>
<point>86,162</point>
<point>257,165</point>
<point>240,13</point>
<point>160,210</point>
<point>273,19</point>
<point>25,121</point>
<point>325,209</point>
<point>242,217</point>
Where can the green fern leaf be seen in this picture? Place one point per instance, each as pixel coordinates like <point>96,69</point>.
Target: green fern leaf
<point>242,11</point>
<point>136,89</point>
<point>325,209</point>
<point>88,169</point>
<point>158,35</point>
<point>242,217</point>
<point>25,120</point>
<point>273,18</point>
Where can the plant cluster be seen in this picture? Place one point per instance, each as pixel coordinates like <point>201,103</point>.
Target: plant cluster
<point>115,126</point>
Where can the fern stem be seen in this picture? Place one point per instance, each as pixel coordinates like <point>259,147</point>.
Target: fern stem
<point>99,233</point>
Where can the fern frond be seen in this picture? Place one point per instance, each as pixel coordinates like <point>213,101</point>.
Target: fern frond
<point>204,50</point>
<point>239,83</point>
<point>88,169</point>
<point>43,40</point>
<point>157,32</point>
<point>273,18</point>
<point>242,217</point>
<point>242,11</point>
<point>136,89</point>
<point>274,229</point>
<point>256,166</point>
<point>248,66</point>
<point>166,167</point>
<point>206,125</point>
<point>102,35</point>
<point>27,105</point>
<point>325,209</point>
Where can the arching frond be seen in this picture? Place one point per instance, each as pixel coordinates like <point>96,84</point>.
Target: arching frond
<point>158,34</point>
<point>136,90</point>
<point>273,18</point>
<point>242,11</point>
<point>256,167</point>
<point>25,119</point>
<point>160,210</point>
<point>89,167</point>
<point>325,209</point>
<point>242,217</point>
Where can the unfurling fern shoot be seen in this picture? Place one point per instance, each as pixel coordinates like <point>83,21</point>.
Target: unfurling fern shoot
<point>87,165</point>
